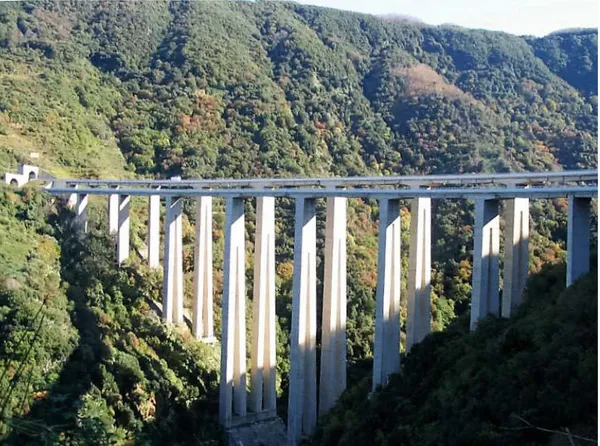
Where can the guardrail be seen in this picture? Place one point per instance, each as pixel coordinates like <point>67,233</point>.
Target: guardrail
<point>410,181</point>
<point>454,193</point>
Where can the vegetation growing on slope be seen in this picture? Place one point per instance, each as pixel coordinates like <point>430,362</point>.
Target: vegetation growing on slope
<point>231,89</point>
<point>96,365</point>
<point>296,89</point>
<point>36,332</point>
<point>487,387</point>
<point>571,55</point>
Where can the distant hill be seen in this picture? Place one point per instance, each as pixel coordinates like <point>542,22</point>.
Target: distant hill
<point>573,55</point>
<point>185,88</point>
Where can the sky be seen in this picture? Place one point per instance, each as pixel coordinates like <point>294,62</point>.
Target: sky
<point>532,17</point>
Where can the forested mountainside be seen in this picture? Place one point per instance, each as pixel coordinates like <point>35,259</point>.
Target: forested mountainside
<point>573,56</point>
<point>187,87</point>
<point>83,358</point>
<point>244,89</point>
<point>529,380</point>
<point>85,361</point>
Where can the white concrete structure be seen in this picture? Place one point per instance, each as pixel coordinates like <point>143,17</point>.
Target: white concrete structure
<point>386,355</point>
<point>264,343</point>
<point>302,407</point>
<point>202,323</point>
<point>578,238</point>
<point>153,237</point>
<point>173,263</point>
<point>30,172</point>
<point>81,212</point>
<point>123,229</point>
<point>15,179</point>
<point>486,272</point>
<point>232,388</point>
<point>516,253</point>
<point>418,320</point>
<point>486,190</point>
<point>333,333</point>
<point>113,214</point>
<point>72,199</point>
<point>25,173</point>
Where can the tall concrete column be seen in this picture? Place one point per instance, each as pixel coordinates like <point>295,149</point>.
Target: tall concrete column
<point>173,263</point>
<point>113,214</point>
<point>178,295</point>
<point>71,198</point>
<point>485,292</point>
<point>123,229</point>
<point>232,387</point>
<point>263,386</point>
<point>153,237</point>
<point>387,316</point>
<point>202,325</point>
<point>81,213</point>
<point>516,253</point>
<point>419,273</point>
<point>578,238</point>
<point>333,340</point>
<point>302,408</point>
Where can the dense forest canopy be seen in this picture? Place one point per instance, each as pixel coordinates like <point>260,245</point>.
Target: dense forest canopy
<point>528,380</point>
<point>244,89</point>
<point>186,87</point>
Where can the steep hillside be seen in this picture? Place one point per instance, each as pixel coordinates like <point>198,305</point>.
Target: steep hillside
<point>573,55</point>
<point>185,88</point>
<point>231,89</point>
<point>83,358</point>
<point>528,380</point>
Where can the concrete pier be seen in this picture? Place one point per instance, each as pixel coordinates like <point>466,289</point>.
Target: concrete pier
<point>387,316</point>
<point>173,263</point>
<point>333,340</point>
<point>302,408</point>
<point>232,388</point>
<point>113,214</point>
<point>178,301</point>
<point>153,236</point>
<point>71,200</point>
<point>81,212</point>
<point>254,420</point>
<point>123,229</point>
<point>202,324</point>
<point>418,323</point>
<point>264,343</point>
<point>578,238</point>
<point>485,293</point>
<point>516,253</point>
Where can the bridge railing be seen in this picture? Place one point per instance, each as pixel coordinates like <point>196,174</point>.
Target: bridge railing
<point>410,181</point>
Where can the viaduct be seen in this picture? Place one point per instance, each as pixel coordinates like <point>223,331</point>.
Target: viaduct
<point>237,406</point>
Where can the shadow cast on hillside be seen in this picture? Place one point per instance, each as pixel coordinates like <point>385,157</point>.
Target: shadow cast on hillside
<point>51,415</point>
<point>66,414</point>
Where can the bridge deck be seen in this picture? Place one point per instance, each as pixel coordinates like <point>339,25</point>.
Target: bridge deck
<point>464,193</point>
<point>580,183</point>
<point>499,179</point>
